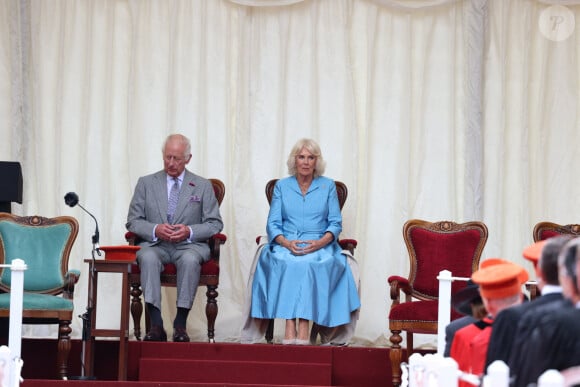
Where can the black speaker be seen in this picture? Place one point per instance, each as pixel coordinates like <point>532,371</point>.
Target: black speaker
<point>10,184</point>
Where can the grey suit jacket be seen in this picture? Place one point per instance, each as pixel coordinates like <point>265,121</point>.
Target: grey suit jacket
<point>197,207</point>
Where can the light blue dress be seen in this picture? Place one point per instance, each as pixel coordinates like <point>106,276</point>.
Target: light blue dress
<point>318,286</point>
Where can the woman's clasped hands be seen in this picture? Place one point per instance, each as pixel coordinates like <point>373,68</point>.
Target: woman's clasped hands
<point>299,247</point>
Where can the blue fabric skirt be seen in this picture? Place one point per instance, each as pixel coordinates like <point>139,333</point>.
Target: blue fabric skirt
<point>318,287</point>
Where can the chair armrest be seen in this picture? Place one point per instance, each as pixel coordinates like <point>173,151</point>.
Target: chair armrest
<point>348,244</point>
<point>215,241</point>
<point>399,284</point>
<point>131,238</point>
<point>70,280</point>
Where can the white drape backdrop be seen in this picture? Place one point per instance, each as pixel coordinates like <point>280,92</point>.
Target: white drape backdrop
<point>433,109</point>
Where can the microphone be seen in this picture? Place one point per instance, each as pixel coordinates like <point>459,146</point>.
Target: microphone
<point>71,199</point>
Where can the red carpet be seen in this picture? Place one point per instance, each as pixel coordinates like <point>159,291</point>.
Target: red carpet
<point>219,364</point>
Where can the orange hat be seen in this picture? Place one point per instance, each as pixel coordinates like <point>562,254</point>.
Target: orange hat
<point>534,252</point>
<point>496,261</point>
<point>500,280</point>
<point>491,261</point>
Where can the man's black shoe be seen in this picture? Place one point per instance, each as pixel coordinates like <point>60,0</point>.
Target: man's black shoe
<point>180,335</point>
<point>156,333</point>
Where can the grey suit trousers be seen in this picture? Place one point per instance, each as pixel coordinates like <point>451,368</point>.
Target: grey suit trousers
<point>188,263</point>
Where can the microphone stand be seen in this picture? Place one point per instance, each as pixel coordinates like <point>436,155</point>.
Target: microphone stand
<point>87,317</point>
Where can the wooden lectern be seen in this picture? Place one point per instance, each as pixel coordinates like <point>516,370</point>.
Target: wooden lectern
<point>10,185</point>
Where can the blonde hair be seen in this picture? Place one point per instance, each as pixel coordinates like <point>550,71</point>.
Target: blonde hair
<point>312,147</point>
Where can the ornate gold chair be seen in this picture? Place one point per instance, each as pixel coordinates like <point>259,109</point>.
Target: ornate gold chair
<point>45,245</point>
<point>432,247</point>
<point>346,244</point>
<point>210,274</point>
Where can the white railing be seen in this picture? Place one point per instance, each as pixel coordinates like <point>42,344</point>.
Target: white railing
<point>10,361</point>
<point>444,311</point>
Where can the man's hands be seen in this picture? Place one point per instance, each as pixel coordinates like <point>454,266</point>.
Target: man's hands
<point>173,233</point>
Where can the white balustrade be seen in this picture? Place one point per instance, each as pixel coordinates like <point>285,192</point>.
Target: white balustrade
<point>10,361</point>
<point>498,375</point>
<point>551,378</point>
<point>431,370</point>
<point>444,306</point>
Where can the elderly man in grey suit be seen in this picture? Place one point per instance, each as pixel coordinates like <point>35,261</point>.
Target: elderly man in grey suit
<point>174,212</point>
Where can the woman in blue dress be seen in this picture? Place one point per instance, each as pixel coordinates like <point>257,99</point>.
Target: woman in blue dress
<point>301,273</point>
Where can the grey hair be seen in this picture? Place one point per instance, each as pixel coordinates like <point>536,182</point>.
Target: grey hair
<point>312,147</point>
<point>182,140</point>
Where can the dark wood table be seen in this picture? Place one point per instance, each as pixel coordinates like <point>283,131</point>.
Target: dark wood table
<point>108,266</point>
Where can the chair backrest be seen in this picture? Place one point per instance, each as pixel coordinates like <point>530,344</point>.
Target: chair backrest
<point>219,189</point>
<point>341,191</point>
<point>43,243</point>
<point>545,230</point>
<point>443,245</point>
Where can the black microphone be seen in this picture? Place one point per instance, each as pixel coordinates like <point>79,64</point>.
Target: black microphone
<point>71,199</point>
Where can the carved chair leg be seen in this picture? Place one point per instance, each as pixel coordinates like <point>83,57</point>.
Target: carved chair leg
<point>147,320</point>
<point>64,346</point>
<point>410,346</point>
<point>136,309</point>
<point>395,355</point>
<point>270,331</point>
<point>211,311</point>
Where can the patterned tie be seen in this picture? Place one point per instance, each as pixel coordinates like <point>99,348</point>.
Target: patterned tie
<point>173,197</point>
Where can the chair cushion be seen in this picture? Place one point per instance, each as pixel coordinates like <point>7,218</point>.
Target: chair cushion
<point>210,267</point>
<point>415,311</point>
<point>32,301</point>
<point>418,311</point>
<point>43,272</point>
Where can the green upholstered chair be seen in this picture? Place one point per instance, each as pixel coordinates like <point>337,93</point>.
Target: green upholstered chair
<point>44,244</point>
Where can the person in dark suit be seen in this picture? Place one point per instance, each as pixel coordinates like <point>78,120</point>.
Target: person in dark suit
<point>173,212</point>
<point>553,341</point>
<point>508,329</point>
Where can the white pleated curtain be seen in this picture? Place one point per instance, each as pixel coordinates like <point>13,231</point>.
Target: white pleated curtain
<point>439,110</point>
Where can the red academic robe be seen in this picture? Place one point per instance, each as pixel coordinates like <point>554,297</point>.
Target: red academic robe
<point>469,348</point>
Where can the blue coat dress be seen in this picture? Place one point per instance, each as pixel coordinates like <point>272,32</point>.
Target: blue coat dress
<point>318,286</point>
